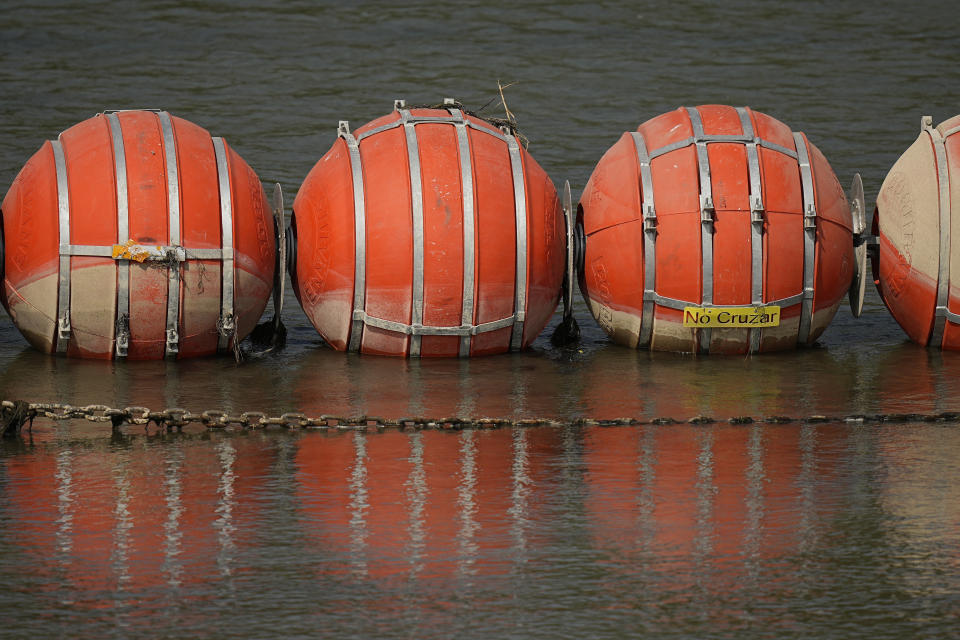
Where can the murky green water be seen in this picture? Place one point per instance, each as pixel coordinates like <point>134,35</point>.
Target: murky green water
<point>800,530</point>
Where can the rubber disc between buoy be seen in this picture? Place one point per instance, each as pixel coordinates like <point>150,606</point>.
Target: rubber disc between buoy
<point>281,276</point>
<point>858,213</point>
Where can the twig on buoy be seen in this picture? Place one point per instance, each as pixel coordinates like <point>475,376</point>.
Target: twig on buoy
<point>503,101</point>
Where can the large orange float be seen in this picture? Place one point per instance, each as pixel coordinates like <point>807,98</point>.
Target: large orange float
<point>917,267</point>
<point>715,216</point>
<point>428,232</point>
<point>136,235</point>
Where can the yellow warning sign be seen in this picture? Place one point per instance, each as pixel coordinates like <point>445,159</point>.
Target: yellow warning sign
<point>728,317</point>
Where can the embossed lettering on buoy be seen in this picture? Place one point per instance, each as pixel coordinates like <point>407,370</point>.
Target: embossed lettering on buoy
<point>917,267</point>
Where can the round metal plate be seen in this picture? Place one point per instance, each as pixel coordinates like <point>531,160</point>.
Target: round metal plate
<point>280,278</point>
<point>570,279</point>
<point>858,213</point>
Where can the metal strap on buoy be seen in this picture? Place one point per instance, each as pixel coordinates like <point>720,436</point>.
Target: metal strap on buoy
<point>942,312</point>
<point>649,240</point>
<point>415,329</point>
<point>756,222</point>
<point>809,237</point>
<point>707,213</point>
<point>227,324</point>
<point>173,254</point>
<point>122,320</point>
<point>172,345</point>
<point>757,219</point>
<point>63,209</point>
<point>520,198</point>
<point>469,227</point>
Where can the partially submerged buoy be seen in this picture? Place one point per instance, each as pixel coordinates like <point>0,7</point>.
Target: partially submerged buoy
<point>136,235</point>
<point>428,232</point>
<point>917,266</point>
<point>714,229</point>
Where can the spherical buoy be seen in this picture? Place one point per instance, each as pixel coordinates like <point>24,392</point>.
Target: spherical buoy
<point>714,229</point>
<point>136,235</point>
<point>428,232</point>
<point>917,266</point>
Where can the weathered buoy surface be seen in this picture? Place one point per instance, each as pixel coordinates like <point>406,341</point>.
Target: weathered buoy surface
<point>917,268</point>
<point>428,232</point>
<point>714,229</point>
<point>136,235</point>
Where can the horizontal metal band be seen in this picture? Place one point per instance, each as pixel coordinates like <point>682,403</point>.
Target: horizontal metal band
<point>673,303</point>
<point>760,142</point>
<point>156,253</point>
<point>950,132</point>
<point>432,120</point>
<point>86,250</point>
<point>943,312</point>
<point>425,330</point>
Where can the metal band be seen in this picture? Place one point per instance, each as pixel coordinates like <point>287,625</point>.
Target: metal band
<point>416,201</point>
<point>173,207</point>
<point>157,253</point>
<point>809,237</point>
<point>63,212</point>
<point>359,234</point>
<point>674,303</point>
<point>469,230</point>
<point>520,196</point>
<point>950,132</point>
<point>227,323</point>
<point>943,273</point>
<point>706,219</point>
<point>122,318</point>
<point>680,144</point>
<point>434,119</point>
<point>756,222</point>
<point>86,250</point>
<point>649,239</point>
<point>949,315</point>
<point>429,330</point>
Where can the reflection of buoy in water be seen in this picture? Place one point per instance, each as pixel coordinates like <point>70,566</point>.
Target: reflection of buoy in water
<point>917,269</point>
<point>428,232</point>
<point>135,234</point>
<point>705,215</point>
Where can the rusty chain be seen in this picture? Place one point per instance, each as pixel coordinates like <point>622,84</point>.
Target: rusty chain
<point>177,418</point>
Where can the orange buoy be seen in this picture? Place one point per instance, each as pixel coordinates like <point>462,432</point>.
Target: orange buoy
<point>714,229</point>
<point>136,235</point>
<point>917,266</point>
<point>427,232</point>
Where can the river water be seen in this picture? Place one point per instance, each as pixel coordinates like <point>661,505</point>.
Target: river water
<point>797,530</point>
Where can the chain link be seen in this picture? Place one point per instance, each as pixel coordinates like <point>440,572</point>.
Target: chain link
<point>176,418</point>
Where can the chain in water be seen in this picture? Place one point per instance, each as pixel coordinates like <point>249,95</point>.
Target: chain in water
<point>13,414</point>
